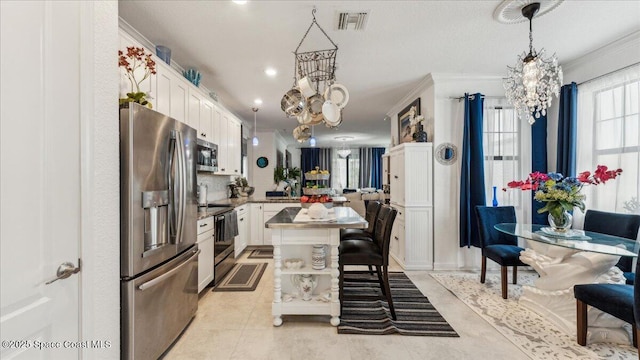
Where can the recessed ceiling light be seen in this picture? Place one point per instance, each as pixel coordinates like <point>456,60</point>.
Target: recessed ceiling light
<point>271,72</point>
<point>257,101</point>
<point>240,2</point>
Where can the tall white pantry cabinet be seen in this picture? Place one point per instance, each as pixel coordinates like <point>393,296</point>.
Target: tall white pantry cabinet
<point>411,185</point>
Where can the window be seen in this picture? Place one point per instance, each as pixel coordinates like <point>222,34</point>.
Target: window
<point>340,177</point>
<point>502,152</point>
<point>609,134</point>
<point>608,110</point>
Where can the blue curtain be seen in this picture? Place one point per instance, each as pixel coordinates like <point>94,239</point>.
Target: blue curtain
<point>472,190</point>
<point>310,158</point>
<point>538,162</point>
<point>567,125</point>
<point>376,167</point>
<point>370,167</point>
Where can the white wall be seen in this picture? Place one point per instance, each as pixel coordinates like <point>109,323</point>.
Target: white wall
<point>449,127</point>
<point>439,95</point>
<point>611,57</point>
<point>101,238</point>
<point>437,92</point>
<point>262,178</point>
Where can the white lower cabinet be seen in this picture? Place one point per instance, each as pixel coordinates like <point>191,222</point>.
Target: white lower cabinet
<point>205,258</point>
<point>257,225</point>
<point>243,229</point>
<point>396,247</point>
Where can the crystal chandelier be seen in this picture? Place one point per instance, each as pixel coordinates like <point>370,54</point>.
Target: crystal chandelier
<point>533,80</point>
<point>344,151</point>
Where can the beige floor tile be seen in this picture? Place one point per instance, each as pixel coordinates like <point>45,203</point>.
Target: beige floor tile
<point>239,325</point>
<point>266,344</point>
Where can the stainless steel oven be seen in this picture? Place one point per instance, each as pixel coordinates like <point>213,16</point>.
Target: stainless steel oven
<point>223,248</point>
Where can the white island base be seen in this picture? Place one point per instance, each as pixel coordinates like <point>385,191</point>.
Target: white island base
<point>298,243</point>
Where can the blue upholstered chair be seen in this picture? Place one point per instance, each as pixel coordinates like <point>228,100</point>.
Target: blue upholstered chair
<point>619,300</point>
<point>622,225</point>
<point>497,246</point>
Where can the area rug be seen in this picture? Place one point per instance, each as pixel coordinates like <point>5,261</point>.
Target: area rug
<point>415,313</point>
<point>533,334</point>
<point>261,254</point>
<point>243,277</point>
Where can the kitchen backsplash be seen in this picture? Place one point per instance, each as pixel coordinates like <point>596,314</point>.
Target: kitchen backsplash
<point>217,186</point>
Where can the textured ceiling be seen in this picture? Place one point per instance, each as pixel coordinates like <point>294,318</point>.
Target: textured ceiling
<point>403,41</point>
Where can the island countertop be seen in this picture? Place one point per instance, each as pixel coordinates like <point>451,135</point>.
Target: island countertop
<point>346,218</point>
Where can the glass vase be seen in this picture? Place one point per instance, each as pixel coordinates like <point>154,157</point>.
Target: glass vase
<point>561,223</point>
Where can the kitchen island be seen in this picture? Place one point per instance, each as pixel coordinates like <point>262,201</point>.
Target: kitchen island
<point>293,236</point>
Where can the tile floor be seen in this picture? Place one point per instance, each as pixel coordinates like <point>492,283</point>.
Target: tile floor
<point>238,325</point>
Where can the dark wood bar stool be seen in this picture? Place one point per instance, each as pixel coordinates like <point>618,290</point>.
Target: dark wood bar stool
<point>371,253</point>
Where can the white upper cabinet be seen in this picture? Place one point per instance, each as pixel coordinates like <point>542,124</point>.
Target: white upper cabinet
<point>195,99</point>
<point>173,95</point>
<point>233,148</point>
<point>206,120</point>
<point>223,166</point>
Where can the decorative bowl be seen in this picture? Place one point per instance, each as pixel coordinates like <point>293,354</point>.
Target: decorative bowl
<point>317,211</point>
<point>306,205</point>
<point>293,264</point>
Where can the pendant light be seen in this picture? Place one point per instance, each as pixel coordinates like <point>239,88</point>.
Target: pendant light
<point>255,138</point>
<point>533,81</point>
<point>312,140</point>
<point>344,152</point>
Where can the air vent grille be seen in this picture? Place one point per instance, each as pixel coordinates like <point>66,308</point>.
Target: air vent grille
<point>351,20</point>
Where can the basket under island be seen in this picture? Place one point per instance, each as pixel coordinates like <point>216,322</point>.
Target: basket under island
<point>293,235</point>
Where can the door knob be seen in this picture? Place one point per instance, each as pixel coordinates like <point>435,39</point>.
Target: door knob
<point>65,270</point>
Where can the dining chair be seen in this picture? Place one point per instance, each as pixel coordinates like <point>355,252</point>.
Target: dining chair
<point>497,246</point>
<point>622,225</point>
<point>373,253</point>
<point>619,300</point>
<point>373,208</point>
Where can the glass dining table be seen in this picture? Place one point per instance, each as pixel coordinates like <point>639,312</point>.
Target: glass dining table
<point>566,259</point>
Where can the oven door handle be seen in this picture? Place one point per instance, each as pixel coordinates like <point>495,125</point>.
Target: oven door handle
<point>167,275</point>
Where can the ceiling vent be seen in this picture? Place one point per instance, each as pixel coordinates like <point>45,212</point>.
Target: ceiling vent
<point>351,20</point>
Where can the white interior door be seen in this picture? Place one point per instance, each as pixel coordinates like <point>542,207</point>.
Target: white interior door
<point>40,178</point>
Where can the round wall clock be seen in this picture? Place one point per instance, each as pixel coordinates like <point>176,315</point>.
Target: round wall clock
<point>262,162</point>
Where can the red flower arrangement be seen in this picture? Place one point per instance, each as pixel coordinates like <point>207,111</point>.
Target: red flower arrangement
<point>563,193</point>
<point>131,61</point>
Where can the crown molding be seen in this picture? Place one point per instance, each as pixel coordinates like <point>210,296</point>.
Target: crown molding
<point>610,50</point>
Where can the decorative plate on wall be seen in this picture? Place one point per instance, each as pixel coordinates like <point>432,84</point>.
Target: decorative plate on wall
<point>262,162</point>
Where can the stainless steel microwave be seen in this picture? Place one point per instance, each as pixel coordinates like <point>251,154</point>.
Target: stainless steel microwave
<point>207,156</point>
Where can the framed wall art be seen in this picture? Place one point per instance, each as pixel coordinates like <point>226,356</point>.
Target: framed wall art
<point>405,133</point>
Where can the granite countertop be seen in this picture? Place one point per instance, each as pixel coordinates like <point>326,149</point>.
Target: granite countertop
<point>345,218</point>
<point>252,199</point>
<point>264,200</point>
<point>204,213</point>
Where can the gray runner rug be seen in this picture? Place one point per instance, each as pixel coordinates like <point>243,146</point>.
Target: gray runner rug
<point>243,277</point>
<point>416,315</point>
<point>261,254</point>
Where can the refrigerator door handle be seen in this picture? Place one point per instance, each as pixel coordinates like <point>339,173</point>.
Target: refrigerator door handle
<point>182,179</point>
<point>172,183</point>
<point>168,274</point>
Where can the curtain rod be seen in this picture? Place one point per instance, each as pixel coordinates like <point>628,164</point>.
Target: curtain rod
<point>609,73</point>
<point>472,96</point>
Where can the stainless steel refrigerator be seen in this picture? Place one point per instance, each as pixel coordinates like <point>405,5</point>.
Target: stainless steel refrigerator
<point>158,220</point>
